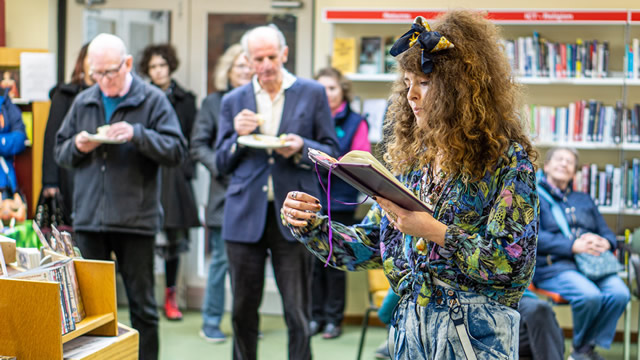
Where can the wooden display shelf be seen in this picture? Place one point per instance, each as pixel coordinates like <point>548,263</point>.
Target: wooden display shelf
<point>87,324</point>
<point>124,347</point>
<point>30,324</point>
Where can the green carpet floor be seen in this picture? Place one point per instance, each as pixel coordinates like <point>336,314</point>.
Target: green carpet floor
<point>180,341</point>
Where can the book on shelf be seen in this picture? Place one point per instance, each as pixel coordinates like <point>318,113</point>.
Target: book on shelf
<point>389,60</point>
<point>632,188</point>
<point>370,55</point>
<point>28,258</point>
<point>633,59</point>
<point>10,81</point>
<point>27,119</point>
<point>593,183</point>
<point>344,55</point>
<point>364,172</point>
<point>8,247</point>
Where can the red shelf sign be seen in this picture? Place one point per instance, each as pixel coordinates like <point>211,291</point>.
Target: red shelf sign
<point>634,16</point>
<point>498,16</point>
<point>377,16</point>
<point>559,16</point>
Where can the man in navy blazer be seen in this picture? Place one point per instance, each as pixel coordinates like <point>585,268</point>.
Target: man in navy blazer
<point>274,103</point>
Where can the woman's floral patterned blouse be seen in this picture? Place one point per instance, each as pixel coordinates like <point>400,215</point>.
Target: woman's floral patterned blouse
<point>490,242</point>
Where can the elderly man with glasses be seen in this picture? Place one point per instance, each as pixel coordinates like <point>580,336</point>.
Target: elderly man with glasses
<point>116,202</point>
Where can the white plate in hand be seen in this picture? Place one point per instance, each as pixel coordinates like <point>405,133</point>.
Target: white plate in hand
<point>105,140</point>
<point>260,141</point>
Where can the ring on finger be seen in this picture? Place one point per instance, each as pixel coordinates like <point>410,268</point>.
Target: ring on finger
<point>294,195</point>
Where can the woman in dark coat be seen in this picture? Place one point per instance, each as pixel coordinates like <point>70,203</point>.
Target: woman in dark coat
<point>54,178</point>
<point>180,211</point>
<point>352,130</point>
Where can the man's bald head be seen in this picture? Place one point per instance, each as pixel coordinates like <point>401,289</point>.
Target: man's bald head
<point>107,43</point>
<point>109,63</point>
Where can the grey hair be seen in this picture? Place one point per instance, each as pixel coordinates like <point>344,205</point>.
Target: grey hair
<point>107,41</point>
<point>262,30</point>
<point>553,150</point>
<point>225,62</point>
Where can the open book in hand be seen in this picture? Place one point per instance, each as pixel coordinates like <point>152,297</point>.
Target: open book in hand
<point>365,173</point>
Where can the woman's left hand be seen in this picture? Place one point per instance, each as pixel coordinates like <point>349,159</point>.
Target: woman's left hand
<point>414,223</point>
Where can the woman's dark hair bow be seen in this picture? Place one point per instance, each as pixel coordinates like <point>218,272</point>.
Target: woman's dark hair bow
<point>430,42</point>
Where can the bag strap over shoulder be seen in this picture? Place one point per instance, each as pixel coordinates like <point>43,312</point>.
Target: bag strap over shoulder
<point>557,212</point>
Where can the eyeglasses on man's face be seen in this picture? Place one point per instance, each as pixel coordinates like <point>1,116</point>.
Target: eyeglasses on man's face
<point>109,74</point>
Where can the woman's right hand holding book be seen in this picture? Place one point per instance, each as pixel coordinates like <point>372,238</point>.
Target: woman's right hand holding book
<point>299,208</point>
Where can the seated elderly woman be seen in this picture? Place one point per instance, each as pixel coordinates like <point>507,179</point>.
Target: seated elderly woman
<point>596,305</point>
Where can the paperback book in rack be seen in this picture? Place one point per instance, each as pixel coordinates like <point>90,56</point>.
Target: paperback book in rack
<point>365,173</point>
<point>63,272</point>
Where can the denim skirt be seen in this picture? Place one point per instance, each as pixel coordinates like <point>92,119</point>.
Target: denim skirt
<point>419,332</point>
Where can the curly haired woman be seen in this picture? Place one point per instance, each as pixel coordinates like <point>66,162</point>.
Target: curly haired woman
<point>455,138</point>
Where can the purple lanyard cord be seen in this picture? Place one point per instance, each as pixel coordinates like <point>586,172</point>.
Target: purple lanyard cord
<point>327,190</point>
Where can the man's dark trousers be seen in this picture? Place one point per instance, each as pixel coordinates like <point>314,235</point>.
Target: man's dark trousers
<point>134,255</point>
<point>540,336</point>
<point>292,269</point>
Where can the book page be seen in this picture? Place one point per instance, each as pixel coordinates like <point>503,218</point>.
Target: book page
<point>365,173</point>
<point>363,157</point>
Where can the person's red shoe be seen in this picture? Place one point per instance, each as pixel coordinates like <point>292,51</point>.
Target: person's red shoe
<point>171,310</point>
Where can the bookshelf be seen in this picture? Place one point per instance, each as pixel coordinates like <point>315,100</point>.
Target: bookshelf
<point>616,26</point>
<point>31,330</point>
<point>28,164</point>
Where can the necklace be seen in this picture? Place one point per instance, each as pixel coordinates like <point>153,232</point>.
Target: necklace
<point>432,184</point>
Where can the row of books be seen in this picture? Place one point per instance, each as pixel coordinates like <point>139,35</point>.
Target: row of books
<point>530,56</point>
<point>616,187</point>
<point>586,121</point>
<point>534,56</point>
<point>63,272</point>
<point>373,58</point>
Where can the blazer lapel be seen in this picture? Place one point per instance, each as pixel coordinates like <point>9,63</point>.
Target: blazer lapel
<point>250,98</point>
<point>291,96</point>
